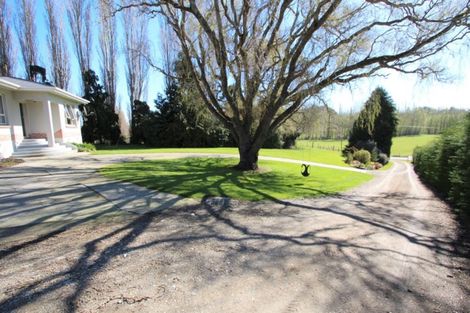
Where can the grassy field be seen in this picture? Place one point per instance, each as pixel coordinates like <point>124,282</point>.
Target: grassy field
<point>321,151</point>
<point>312,155</point>
<point>402,146</point>
<point>200,177</point>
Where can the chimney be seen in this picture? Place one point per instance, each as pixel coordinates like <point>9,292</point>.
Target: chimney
<point>34,70</point>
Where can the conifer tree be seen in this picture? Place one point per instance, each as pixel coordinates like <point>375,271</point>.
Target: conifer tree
<point>100,122</point>
<point>376,124</point>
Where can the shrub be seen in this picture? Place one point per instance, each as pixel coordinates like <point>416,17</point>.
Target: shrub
<point>273,141</point>
<point>362,156</point>
<point>85,147</point>
<point>368,145</point>
<point>459,176</point>
<point>382,158</point>
<point>445,165</point>
<point>288,139</point>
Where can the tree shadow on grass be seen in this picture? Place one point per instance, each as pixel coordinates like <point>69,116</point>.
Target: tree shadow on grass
<point>199,177</point>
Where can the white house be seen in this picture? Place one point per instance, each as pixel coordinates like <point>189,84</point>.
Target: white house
<point>34,112</point>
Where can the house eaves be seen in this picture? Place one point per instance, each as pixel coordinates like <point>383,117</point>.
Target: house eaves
<point>16,84</point>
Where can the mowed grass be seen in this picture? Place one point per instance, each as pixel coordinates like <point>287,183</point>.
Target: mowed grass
<point>311,155</point>
<point>404,146</point>
<point>401,146</point>
<point>320,151</point>
<point>201,177</point>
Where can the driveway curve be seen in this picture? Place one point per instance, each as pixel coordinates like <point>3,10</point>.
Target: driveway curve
<point>387,246</point>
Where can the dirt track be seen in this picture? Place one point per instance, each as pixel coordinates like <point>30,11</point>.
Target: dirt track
<point>389,246</point>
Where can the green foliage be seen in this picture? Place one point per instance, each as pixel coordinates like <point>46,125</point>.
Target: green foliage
<point>178,123</point>
<point>100,122</point>
<point>288,140</point>
<point>85,147</point>
<point>382,158</point>
<point>421,121</point>
<point>181,118</point>
<point>273,141</point>
<point>362,156</point>
<point>200,177</point>
<point>322,122</point>
<point>376,122</point>
<point>444,164</point>
<point>140,115</point>
<point>402,146</point>
<point>459,176</point>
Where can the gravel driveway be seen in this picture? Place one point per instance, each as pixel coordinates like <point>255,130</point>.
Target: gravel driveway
<point>388,246</point>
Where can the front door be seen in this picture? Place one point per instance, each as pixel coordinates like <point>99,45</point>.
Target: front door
<point>22,119</point>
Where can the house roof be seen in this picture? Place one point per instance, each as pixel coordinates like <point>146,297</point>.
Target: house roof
<point>17,84</point>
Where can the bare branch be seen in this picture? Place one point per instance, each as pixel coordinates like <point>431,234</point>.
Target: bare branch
<point>257,62</point>
<point>26,29</point>
<point>6,54</point>
<point>58,49</point>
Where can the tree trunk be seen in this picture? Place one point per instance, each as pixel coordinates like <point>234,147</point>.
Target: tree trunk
<point>248,158</point>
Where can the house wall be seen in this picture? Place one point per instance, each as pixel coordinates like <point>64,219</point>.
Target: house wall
<point>65,133</point>
<point>11,135</point>
<point>36,120</point>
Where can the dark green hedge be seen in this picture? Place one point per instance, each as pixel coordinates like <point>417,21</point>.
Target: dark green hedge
<point>445,165</point>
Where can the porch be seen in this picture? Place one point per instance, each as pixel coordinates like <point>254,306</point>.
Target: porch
<point>55,122</point>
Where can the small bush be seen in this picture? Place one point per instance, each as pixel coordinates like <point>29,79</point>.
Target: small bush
<point>85,147</point>
<point>273,141</point>
<point>288,140</point>
<point>362,156</point>
<point>349,157</point>
<point>382,158</point>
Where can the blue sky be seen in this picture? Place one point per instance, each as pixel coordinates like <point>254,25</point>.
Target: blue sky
<point>407,90</point>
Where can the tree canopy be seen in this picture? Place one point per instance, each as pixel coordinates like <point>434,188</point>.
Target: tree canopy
<point>100,121</point>
<point>255,63</point>
<point>377,123</point>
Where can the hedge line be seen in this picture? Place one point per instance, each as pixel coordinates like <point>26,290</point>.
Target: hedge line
<point>445,165</point>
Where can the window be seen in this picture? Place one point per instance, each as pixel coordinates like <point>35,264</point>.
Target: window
<point>3,112</point>
<point>69,116</point>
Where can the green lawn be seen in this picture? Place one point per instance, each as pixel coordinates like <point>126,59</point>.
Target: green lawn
<point>199,177</point>
<point>401,146</point>
<point>312,155</point>
<point>321,151</point>
<point>404,146</point>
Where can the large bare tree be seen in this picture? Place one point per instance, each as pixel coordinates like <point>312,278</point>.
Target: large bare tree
<point>79,16</point>
<point>6,57</point>
<point>60,66</point>
<point>26,29</point>
<point>136,52</point>
<point>108,49</point>
<point>257,62</point>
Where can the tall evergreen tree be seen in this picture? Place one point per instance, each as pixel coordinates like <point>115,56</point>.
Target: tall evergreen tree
<point>385,125</point>
<point>139,121</point>
<point>170,123</point>
<point>100,122</point>
<point>376,123</point>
